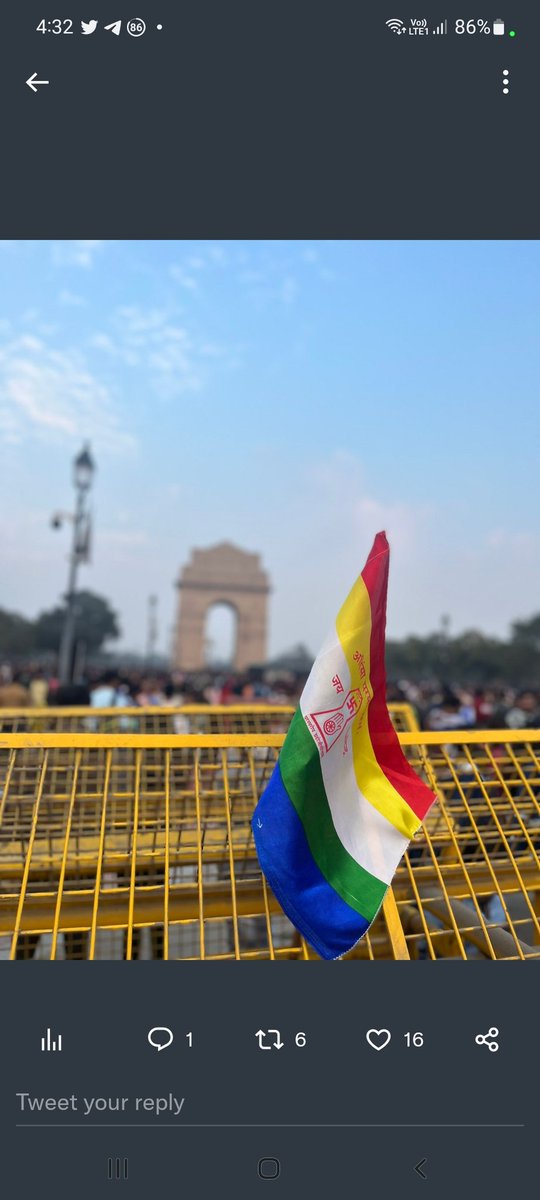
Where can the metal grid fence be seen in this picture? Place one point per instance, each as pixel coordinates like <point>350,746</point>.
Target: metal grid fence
<point>130,845</point>
<point>404,718</point>
<point>470,883</point>
<point>188,718</point>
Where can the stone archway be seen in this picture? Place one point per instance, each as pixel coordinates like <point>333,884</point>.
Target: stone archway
<point>222,574</point>
<point>223,619</point>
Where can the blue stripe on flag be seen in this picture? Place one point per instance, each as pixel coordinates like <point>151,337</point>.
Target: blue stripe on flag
<point>295,879</point>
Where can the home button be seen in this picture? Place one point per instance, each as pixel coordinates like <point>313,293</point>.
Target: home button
<point>269,1168</point>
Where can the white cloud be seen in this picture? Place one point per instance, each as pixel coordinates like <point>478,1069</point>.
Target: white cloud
<point>40,328</point>
<point>317,539</point>
<point>102,341</point>
<point>217,254</point>
<point>164,347</point>
<point>312,258</point>
<point>314,531</point>
<point>340,503</point>
<point>46,393</point>
<point>483,579</point>
<point>183,278</point>
<point>278,275</point>
<point>70,299</point>
<point>82,253</point>
<point>269,283</point>
<point>155,341</point>
<point>188,274</point>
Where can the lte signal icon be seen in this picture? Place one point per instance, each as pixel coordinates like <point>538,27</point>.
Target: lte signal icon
<point>47,1043</point>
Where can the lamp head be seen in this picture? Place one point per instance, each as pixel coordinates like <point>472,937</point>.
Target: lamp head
<point>83,469</point>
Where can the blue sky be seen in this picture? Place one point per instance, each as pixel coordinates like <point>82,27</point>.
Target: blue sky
<point>290,397</point>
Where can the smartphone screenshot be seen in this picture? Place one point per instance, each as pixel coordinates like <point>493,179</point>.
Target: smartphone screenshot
<point>270,600</point>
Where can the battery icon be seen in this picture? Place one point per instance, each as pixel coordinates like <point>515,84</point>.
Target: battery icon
<point>498,28</point>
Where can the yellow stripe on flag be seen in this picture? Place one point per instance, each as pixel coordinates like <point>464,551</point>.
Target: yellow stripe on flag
<point>353,625</point>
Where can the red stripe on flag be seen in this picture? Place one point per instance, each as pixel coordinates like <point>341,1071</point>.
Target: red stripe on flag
<point>383,736</point>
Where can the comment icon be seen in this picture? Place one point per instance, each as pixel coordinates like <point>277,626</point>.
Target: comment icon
<point>160,1037</point>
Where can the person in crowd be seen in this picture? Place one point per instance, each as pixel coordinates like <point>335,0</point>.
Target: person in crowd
<point>213,691</point>
<point>466,699</point>
<point>70,695</point>
<point>125,699</point>
<point>172,696</point>
<point>105,693</point>
<point>525,713</point>
<point>150,693</point>
<point>450,713</point>
<point>38,689</point>
<point>227,690</point>
<point>13,693</point>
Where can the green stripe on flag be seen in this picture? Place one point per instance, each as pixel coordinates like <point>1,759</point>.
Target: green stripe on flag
<point>301,773</point>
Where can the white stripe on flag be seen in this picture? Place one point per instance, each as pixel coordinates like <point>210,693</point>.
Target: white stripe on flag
<point>370,839</point>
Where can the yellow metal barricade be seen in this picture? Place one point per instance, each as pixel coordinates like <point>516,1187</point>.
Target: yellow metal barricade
<point>131,845</point>
<point>189,718</point>
<point>404,718</point>
<point>470,883</point>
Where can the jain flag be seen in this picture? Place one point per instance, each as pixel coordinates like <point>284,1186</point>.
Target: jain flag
<point>343,802</point>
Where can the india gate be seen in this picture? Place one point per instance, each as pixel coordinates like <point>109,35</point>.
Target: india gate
<point>222,574</point>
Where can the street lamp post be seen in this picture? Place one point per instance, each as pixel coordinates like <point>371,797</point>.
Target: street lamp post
<point>152,630</point>
<point>83,471</point>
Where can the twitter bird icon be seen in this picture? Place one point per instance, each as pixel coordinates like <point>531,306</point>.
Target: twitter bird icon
<point>88,27</point>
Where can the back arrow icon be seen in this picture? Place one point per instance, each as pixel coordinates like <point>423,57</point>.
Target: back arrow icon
<point>34,82</point>
<point>418,1168</point>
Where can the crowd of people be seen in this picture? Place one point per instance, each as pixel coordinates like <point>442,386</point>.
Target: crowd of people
<point>440,706</point>
<point>33,686</point>
<point>437,705</point>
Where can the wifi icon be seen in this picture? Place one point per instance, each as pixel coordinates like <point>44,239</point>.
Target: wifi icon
<point>396,25</point>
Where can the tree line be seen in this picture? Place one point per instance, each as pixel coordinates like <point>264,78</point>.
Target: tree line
<point>471,657</point>
<point>96,623</point>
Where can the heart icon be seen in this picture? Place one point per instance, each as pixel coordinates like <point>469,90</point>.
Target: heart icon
<point>378,1038</point>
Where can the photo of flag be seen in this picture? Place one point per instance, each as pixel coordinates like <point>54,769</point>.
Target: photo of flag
<point>343,802</point>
